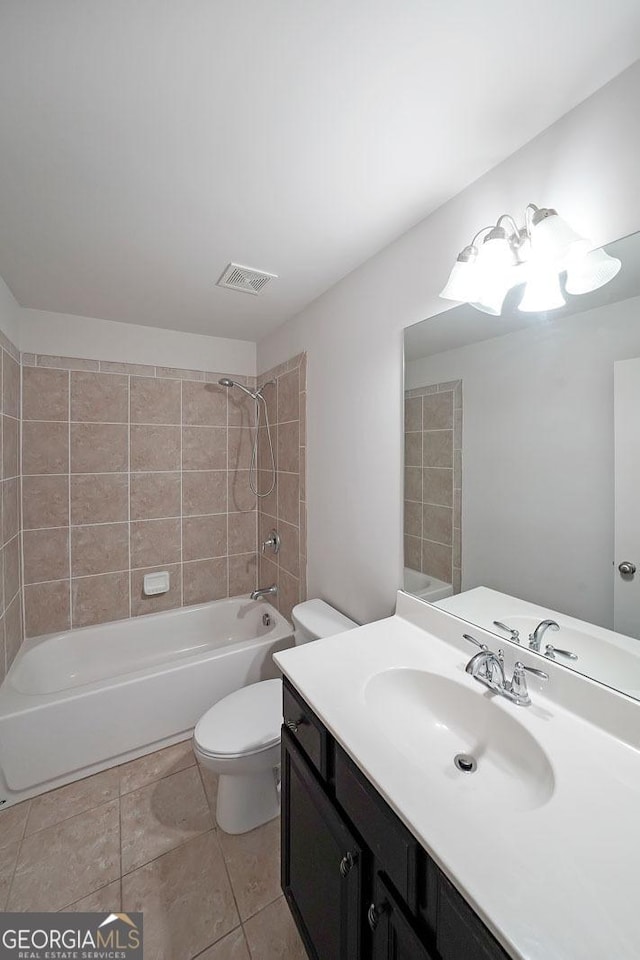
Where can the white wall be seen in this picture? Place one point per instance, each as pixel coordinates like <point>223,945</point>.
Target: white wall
<point>9,314</point>
<point>65,335</point>
<point>586,165</point>
<point>537,439</point>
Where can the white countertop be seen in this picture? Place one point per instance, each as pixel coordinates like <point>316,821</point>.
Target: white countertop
<point>557,882</point>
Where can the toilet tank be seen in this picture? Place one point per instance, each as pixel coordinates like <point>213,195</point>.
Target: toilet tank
<point>314,619</point>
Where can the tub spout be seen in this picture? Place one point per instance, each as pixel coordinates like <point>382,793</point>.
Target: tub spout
<point>264,592</point>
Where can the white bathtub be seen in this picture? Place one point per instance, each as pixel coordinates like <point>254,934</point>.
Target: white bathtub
<point>78,702</point>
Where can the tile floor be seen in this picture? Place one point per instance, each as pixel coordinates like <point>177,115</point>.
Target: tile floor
<point>143,836</point>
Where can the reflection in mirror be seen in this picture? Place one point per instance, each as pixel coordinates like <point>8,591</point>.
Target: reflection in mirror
<point>522,472</point>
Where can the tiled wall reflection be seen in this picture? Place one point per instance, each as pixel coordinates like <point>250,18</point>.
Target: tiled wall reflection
<point>129,469</point>
<point>433,481</point>
<point>10,573</point>
<point>285,508</point>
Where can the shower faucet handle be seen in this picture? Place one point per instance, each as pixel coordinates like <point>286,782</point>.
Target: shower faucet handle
<point>272,541</point>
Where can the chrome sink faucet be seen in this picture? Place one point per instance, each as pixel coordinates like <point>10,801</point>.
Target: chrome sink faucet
<point>487,668</point>
<point>535,638</point>
<point>264,592</point>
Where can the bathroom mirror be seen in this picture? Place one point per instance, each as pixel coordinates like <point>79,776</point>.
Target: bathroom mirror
<point>522,472</point>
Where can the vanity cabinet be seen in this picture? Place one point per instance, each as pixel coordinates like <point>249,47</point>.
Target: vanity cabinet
<point>359,885</point>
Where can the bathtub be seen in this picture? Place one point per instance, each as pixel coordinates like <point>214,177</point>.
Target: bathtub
<point>75,703</point>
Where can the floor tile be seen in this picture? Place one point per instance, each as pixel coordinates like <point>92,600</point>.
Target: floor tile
<point>186,899</point>
<point>12,822</point>
<point>66,802</point>
<point>138,773</point>
<point>231,947</point>
<point>8,857</point>
<point>68,861</point>
<point>210,781</point>
<point>272,934</point>
<point>105,900</point>
<point>253,862</point>
<point>162,815</point>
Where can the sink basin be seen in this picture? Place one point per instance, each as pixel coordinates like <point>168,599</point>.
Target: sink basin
<point>432,719</point>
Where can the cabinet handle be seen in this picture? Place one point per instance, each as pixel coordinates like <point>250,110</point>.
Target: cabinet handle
<point>375,913</point>
<point>347,863</point>
<point>293,724</point>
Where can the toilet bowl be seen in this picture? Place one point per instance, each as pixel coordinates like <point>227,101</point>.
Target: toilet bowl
<point>239,737</point>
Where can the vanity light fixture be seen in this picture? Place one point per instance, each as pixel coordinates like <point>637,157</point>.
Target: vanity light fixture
<point>536,254</point>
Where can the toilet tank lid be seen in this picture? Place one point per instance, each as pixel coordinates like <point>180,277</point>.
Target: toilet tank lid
<point>319,619</point>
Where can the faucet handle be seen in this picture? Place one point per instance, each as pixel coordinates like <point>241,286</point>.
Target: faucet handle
<point>517,689</point>
<point>550,651</point>
<point>515,634</point>
<point>467,636</point>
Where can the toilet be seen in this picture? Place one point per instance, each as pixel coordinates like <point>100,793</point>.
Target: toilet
<point>239,737</point>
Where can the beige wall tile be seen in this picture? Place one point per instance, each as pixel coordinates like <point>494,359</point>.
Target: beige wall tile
<point>9,447</point>
<point>99,447</point>
<point>10,385</point>
<point>413,483</point>
<point>45,394</point>
<point>133,369</point>
<point>288,489</point>
<point>267,574</point>
<point>13,629</point>
<point>205,580</point>
<point>155,401</point>
<point>413,449</point>
<point>413,553</point>
<point>179,373</point>
<point>242,532</point>
<point>242,574</point>
<point>241,497</point>
<point>438,486</point>
<point>203,912</point>
<point>270,394</point>
<point>205,537</point>
<point>437,411</point>
<point>10,509</point>
<point>437,560</point>
<point>99,397</point>
<point>268,504</point>
<point>141,604</point>
<point>155,447</point>
<point>45,501</point>
<point>413,413</point>
<point>204,492</point>
<point>99,548</point>
<point>264,450</point>
<point>289,447</point>
<point>45,447</point>
<point>288,397</point>
<point>204,403</point>
<point>289,556</point>
<point>99,599</point>
<point>67,363</point>
<point>437,524</point>
<point>99,498</point>
<point>241,410</point>
<point>288,593</point>
<point>240,448</point>
<point>46,607</point>
<point>437,448</point>
<point>413,518</point>
<point>46,555</point>
<point>155,495</point>
<point>154,542</point>
<point>204,448</point>
<point>11,570</point>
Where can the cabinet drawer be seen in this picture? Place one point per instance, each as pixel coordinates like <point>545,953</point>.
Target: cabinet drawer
<point>305,728</point>
<point>394,849</point>
<point>459,932</point>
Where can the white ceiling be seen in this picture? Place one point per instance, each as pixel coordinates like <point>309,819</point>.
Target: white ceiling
<point>145,144</point>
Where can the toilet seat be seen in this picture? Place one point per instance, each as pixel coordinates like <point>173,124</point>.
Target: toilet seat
<point>244,723</point>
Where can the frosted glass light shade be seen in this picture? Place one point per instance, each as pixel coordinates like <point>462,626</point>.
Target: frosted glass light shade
<point>553,240</point>
<point>542,292</point>
<point>464,282</point>
<point>497,274</point>
<point>591,272</point>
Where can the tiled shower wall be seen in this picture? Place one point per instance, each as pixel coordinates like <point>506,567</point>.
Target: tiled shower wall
<point>433,481</point>
<point>10,574</point>
<point>285,509</point>
<point>130,469</point>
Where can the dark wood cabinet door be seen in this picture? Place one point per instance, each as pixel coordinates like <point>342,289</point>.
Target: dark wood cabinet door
<point>393,936</point>
<point>321,863</point>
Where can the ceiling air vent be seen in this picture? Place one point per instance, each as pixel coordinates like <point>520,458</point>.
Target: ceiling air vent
<point>246,279</point>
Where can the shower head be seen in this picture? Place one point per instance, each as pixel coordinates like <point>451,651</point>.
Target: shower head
<point>226,382</point>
